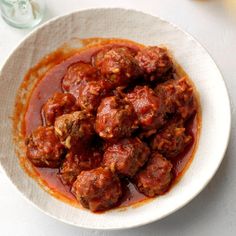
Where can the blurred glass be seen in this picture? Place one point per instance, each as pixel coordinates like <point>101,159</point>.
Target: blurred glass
<point>22,13</point>
<point>230,6</point>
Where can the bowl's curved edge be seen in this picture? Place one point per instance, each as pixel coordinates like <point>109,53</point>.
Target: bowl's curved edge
<point>228,128</point>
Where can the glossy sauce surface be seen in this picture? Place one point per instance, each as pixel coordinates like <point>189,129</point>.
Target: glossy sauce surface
<point>50,84</point>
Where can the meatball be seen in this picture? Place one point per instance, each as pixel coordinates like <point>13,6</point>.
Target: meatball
<point>117,65</point>
<point>172,139</point>
<point>126,156</point>
<point>155,178</point>
<point>115,119</point>
<point>75,74</point>
<point>74,163</point>
<point>154,62</point>
<point>75,128</point>
<point>178,96</point>
<point>98,189</point>
<point>59,104</point>
<point>90,94</point>
<point>147,106</point>
<point>44,148</point>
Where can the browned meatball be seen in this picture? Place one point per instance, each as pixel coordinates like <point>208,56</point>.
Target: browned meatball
<point>147,106</point>
<point>155,178</point>
<point>74,163</point>
<point>172,139</point>
<point>90,94</point>
<point>154,61</point>
<point>117,65</point>
<point>74,128</point>
<point>178,96</point>
<point>44,148</point>
<point>126,156</point>
<point>98,189</point>
<point>59,104</point>
<point>115,118</point>
<point>75,74</point>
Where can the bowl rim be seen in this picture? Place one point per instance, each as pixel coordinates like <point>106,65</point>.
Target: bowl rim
<point>227,128</point>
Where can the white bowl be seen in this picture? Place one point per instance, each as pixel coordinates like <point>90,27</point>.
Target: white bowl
<point>148,30</point>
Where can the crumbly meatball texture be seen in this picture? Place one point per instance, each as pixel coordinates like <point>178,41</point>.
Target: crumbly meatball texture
<point>172,139</point>
<point>147,106</point>
<point>44,148</point>
<point>178,97</point>
<point>115,119</point>
<point>59,104</point>
<point>156,177</point>
<point>91,93</point>
<point>75,74</point>
<point>126,156</point>
<point>154,62</point>
<point>98,189</point>
<point>74,163</point>
<point>75,128</point>
<point>117,65</point>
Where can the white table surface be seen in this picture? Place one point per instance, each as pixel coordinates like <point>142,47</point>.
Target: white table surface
<point>213,23</point>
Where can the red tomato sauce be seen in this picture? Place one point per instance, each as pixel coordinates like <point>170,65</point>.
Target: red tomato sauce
<point>50,84</point>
